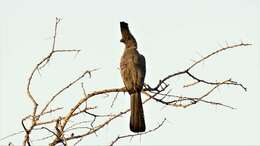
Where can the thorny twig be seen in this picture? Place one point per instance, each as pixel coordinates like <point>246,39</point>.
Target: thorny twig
<point>137,134</point>
<point>100,126</point>
<point>39,66</point>
<point>157,90</point>
<point>61,123</point>
<point>114,100</point>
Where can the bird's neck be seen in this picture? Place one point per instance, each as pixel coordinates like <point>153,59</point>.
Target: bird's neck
<point>131,48</point>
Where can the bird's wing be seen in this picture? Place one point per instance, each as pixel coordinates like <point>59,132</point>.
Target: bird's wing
<point>140,72</point>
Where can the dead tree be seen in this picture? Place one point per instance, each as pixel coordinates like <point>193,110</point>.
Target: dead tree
<point>61,131</point>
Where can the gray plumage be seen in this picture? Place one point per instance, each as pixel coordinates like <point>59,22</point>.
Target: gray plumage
<point>133,69</point>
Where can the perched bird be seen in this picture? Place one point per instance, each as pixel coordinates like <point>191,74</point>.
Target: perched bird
<point>132,68</point>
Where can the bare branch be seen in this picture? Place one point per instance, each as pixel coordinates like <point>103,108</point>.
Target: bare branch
<point>114,100</point>
<point>54,42</point>
<point>64,129</point>
<point>98,127</point>
<point>11,135</point>
<point>66,87</point>
<point>58,136</point>
<point>218,51</point>
<point>137,134</point>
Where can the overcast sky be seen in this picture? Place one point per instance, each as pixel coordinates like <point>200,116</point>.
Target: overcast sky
<point>169,34</point>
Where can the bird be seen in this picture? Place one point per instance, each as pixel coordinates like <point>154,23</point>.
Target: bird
<point>133,70</point>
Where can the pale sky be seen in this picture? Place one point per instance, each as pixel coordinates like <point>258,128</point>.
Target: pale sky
<point>169,35</point>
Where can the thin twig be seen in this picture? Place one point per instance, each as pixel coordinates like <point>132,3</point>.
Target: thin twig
<point>114,100</point>
<point>137,134</point>
<point>66,87</point>
<point>218,51</point>
<point>160,89</point>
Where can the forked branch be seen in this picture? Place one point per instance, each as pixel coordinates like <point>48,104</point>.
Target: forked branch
<point>61,128</point>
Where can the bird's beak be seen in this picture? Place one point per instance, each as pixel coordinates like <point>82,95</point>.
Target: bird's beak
<point>122,40</point>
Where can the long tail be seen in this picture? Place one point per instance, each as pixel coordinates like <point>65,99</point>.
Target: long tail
<point>137,123</point>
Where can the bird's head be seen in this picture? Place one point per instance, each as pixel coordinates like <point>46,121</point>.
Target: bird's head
<point>127,38</point>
